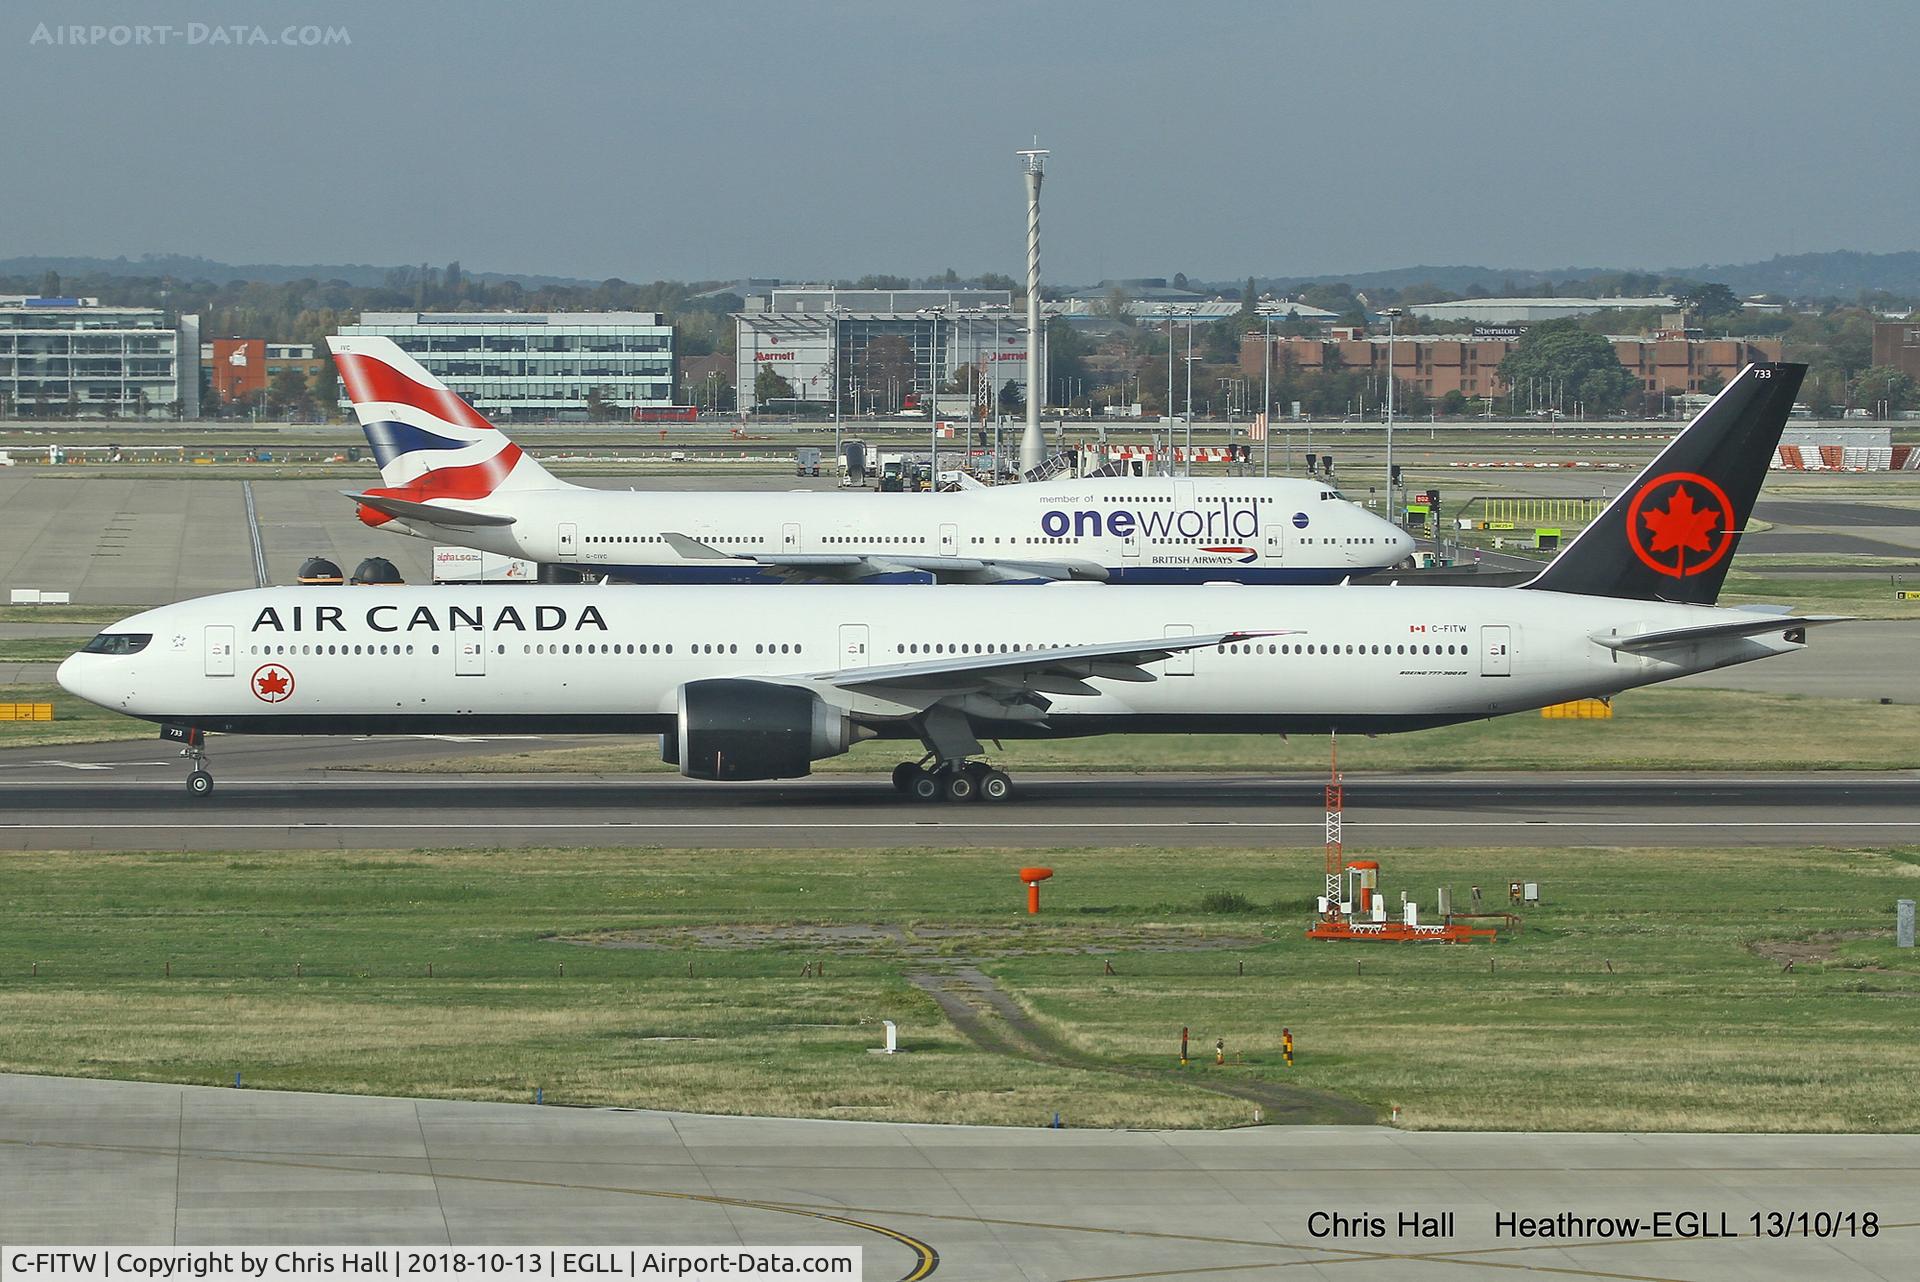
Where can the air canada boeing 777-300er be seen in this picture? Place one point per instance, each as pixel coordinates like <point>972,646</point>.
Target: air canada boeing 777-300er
<point>448,474</point>
<point>741,683</point>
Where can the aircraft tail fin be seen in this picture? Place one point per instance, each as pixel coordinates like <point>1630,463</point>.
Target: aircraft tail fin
<point>1672,531</point>
<point>430,444</point>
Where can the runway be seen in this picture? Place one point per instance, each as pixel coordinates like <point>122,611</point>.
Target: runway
<point>122,1162</point>
<point>281,795</point>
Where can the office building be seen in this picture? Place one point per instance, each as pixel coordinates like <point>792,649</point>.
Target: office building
<point>539,366</point>
<point>888,346</point>
<point>74,358</point>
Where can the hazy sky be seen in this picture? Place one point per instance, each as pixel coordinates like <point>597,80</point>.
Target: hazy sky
<point>715,139</point>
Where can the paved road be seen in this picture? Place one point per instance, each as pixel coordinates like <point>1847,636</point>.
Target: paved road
<point>279,793</point>
<point>117,1162</point>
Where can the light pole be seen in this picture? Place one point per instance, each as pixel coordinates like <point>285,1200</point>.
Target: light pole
<point>1392,314</point>
<point>933,405</point>
<point>1189,394</point>
<point>834,368</point>
<point>1169,366</point>
<point>1266,402</point>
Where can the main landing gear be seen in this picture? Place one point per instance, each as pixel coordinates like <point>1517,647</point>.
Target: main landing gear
<point>952,781</point>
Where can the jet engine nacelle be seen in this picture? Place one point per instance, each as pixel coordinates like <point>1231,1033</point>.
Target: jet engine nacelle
<point>732,728</point>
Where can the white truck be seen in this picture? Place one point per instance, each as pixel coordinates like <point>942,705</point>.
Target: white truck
<point>464,565</point>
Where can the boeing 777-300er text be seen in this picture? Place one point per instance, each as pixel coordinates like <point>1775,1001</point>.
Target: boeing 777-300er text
<point>741,683</point>
<point>448,474</point>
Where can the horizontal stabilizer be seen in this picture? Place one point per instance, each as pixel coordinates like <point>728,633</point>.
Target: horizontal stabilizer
<point>1713,631</point>
<point>426,513</point>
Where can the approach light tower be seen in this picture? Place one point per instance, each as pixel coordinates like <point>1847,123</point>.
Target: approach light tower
<point>1032,443</point>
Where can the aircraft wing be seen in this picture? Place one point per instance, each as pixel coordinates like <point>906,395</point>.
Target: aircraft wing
<point>1642,641</point>
<point>842,566</point>
<point>429,513</point>
<point>1058,670</point>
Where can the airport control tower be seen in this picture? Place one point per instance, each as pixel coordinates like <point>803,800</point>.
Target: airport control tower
<point>1032,443</point>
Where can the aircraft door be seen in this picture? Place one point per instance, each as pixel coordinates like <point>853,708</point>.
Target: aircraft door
<point>853,645</point>
<point>949,540</point>
<point>569,538</point>
<point>219,640</point>
<point>1273,544</point>
<point>1496,651</point>
<point>470,653</point>
<point>790,537</point>
<point>1130,546</point>
<point>1181,663</point>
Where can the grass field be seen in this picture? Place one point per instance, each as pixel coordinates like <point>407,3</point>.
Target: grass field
<point>1867,596</point>
<point>81,616</point>
<point>38,649</point>
<point>74,720</point>
<point>1661,728</point>
<point>1647,991</point>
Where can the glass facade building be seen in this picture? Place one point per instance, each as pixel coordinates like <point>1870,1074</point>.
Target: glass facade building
<point>535,366</point>
<point>73,358</point>
<point>880,346</point>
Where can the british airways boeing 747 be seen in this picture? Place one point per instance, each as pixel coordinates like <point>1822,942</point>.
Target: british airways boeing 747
<point>449,475</point>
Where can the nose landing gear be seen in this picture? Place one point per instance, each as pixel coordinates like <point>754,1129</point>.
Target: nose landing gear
<point>194,748</point>
<point>952,781</point>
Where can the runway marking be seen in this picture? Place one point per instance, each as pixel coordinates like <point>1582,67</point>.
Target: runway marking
<point>261,578</point>
<point>871,826</point>
<point>453,738</point>
<point>74,765</point>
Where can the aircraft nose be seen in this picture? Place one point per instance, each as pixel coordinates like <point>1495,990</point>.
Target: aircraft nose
<point>80,675</point>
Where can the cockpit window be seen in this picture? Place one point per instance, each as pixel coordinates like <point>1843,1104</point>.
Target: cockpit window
<point>118,643</point>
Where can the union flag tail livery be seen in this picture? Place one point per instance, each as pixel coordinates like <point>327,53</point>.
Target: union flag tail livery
<point>1671,533</point>
<point>433,448</point>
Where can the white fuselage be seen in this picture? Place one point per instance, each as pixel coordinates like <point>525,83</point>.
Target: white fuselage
<point>1163,530</point>
<point>613,659</point>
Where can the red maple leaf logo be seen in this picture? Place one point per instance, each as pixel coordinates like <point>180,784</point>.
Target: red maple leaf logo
<point>1681,525</point>
<point>272,683</point>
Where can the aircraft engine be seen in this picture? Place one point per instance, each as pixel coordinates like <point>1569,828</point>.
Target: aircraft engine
<point>732,728</point>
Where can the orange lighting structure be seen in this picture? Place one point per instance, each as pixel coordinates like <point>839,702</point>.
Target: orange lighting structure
<point>1351,906</point>
<point>1033,877</point>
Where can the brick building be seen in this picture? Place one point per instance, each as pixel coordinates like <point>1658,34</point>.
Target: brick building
<point>242,369</point>
<point>1441,363</point>
<point>1897,343</point>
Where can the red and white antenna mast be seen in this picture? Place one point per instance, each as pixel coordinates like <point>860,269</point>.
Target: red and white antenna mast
<point>1335,867</point>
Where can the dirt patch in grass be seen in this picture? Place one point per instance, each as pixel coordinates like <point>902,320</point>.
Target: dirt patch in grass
<point>1821,948</point>
<point>993,1020</point>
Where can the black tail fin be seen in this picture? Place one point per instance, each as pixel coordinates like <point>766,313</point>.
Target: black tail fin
<point>1671,533</point>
